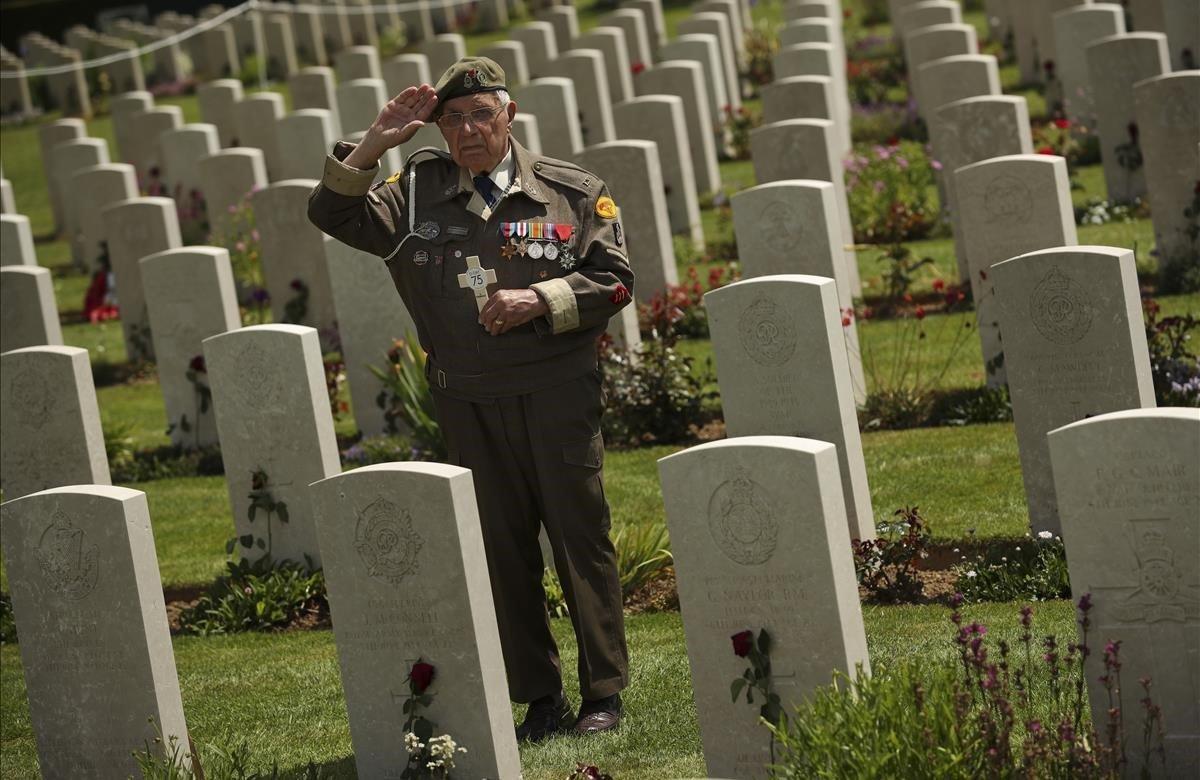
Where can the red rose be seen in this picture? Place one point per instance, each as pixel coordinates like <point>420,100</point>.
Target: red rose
<point>920,313</point>
<point>1046,150</point>
<point>297,285</point>
<point>1062,124</point>
<point>197,365</point>
<point>421,676</point>
<point>938,285</point>
<point>743,642</point>
<point>637,67</point>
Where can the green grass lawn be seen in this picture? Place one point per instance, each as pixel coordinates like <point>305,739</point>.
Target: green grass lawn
<point>235,688</point>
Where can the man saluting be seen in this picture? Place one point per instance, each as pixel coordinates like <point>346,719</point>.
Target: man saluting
<point>511,265</point>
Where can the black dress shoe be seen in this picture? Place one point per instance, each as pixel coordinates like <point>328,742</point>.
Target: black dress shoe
<point>546,717</point>
<point>599,715</point>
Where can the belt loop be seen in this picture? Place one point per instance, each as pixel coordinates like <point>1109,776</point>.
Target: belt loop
<point>441,378</point>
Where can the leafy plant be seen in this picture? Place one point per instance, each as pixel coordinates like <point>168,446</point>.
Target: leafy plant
<point>8,623</point>
<point>588,772</point>
<point>168,462</point>
<point>118,444</point>
<point>556,600</point>
<point>887,565</point>
<point>901,271</point>
<point>642,552</point>
<point>262,595</point>
<point>202,394</point>
<point>1173,365</point>
<point>1129,153</point>
<point>891,192</point>
<point>296,308</point>
<point>406,398</point>
<point>380,449</point>
<point>1035,570</point>
<point>261,499</point>
<point>428,756</point>
<point>240,237</point>
<point>172,762</point>
<point>762,43</point>
<point>757,678</point>
<point>738,124</point>
<point>335,381</point>
<point>652,393</point>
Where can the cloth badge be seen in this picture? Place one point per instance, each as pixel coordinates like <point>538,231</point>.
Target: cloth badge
<point>617,233</point>
<point>606,208</point>
<point>395,177</point>
<point>457,230</point>
<point>428,230</point>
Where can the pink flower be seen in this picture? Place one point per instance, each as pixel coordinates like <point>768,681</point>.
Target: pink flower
<point>937,166</point>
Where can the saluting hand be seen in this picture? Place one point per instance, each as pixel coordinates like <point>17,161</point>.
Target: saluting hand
<point>507,309</point>
<point>397,123</point>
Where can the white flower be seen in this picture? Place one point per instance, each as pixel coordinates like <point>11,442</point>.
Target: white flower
<point>972,573</point>
<point>1004,559</point>
<point>1018,548</point>
<point>412,743</point>
<point>1044,534</point>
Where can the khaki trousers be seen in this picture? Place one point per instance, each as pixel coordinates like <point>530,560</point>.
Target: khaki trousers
<point>537,461</point>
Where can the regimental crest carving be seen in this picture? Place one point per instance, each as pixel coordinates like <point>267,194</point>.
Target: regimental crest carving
<point>1008,200</point>
<point>31,395</point>
<point>386,542</point>
<point>257,388</point>
<point>1160,595</point>
<point>767,333</point>
<point>743,521</point>
<point>70,564</point>
<point>1060,308</point>
<point>779,225</point>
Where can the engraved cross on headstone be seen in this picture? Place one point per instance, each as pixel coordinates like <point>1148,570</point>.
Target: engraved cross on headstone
<point>477,278</point>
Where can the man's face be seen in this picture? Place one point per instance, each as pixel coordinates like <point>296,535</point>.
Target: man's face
<point>479,146</point>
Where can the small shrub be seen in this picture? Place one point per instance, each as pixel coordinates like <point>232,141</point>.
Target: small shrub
<point>887,565</point>
<point>1173,365</point>
<point>8,623</point>
<point>1181,273</point>
<point>652,394</point>
<point>891,192</point>
<point>1101,212</point>
<point>971,406</point>
<point>166,463</point>
<point>1035,570</point>
<point>118,444</point>
<point>380,449</point>
<point>680,310</point>
<point>262,595</point>
<point>240,237</point>
<point>556,601</point>
<point>642,552</point>
<point>870,78</point>
<point>738,123</point>
<point>762,43</point>
<point>407,400</point>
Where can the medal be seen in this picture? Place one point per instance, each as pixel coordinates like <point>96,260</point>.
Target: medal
<point>506,229</point>
<point>566,260</point>
<point>536,250</point>
<point>522,229</point>
<point>428,230</point>
<point>551,251</point>
<point>523,247</point>
<point>564,232</point>
<point>508,250</point>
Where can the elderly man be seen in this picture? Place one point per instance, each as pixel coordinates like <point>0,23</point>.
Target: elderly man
<point>511,265</point>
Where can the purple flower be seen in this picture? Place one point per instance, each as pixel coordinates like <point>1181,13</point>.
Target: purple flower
<point>936,165</point>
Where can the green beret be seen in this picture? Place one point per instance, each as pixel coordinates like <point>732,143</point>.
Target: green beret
<point>469,76</point>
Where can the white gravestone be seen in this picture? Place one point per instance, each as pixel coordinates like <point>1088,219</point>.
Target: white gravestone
<point>273,417</point>
<point>610,42</point>
<point>817,59</point>
<point>49,136</point>
<point>404,71</point>
<point>189,296</point>
<point>954,78</point>
<point>1118,63</point>
<point>509,55</point>
<point>305,138</point>
<point>28,313</point>
<point>1167,115</point>
<point>370,315</point>
<point>121,108</point>
<point>443,51</point>
<point>1074,347</point>
<point>717,25</point>
<point>806,149</point>
<point>359,103</point>
<point>180,150</point>
<point>1008,206</point>
<point>660,118</point>
<point>524,128</point>
<point>792,227</point>
<point>95,189</point>
<point>217,99</point>
<point>632,22</point>
<point>933,43</point>
<point>758,531</point>
<point>403,555</point>
<point>656,26</point>
<point>798,97</point>
<point>220,61</point>
<point>585,69</point>
<point>737,31</point>
<point>541,47</point>
<point>831,12</point>
<point>282,60</point>
<point>685,80</point>
<point>255,118</point>
<point>309,35</point>
<point>95,646</point>
<point>1074,29</point>
<point>1128,486</point>
<point>1181,21</point>
<point>782,365</point>
<point>634,177</point>
<point>565,23</point>
<point>1043,20</point>
<point>16,240</point>
<point>552,101</point>
<point>706,50</point>
<point>927,14</point>
<point>51,421</point>
<point>357,62</point>
<point>226,178</point>
<point>145,130</point>
<point>71,157</point>
<point>314,88</point>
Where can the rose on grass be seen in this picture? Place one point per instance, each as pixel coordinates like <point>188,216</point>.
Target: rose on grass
<point>421,676</point>
<point>743,642</point>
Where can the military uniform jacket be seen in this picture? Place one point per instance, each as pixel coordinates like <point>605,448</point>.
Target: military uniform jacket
<point>427,245</point>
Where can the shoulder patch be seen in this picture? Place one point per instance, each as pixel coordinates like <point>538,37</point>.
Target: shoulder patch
<point>395,177</point>
<point>606,208</point>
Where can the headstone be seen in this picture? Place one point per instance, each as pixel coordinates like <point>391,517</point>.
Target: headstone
<point>180,151</point>
<point>15,98</point>
<point>282,60</point>
<point>357,62</point>
<point>308,29</point>
<point>276,431</point>
<point>1008,206</point>
<point>492,15</point>
<point>541,47</point>
<point>1170,133</point>
<point>359,103</point>
<point>28,312</point>
<point>685,80</point>
<point>8,205</point>
<point>408,579</point>
<point>443,51</point>
<point>565,23</point>
<point>305,137</point>
<point>370,315</point>
<point>51,421</point>
<point>524,128</point>
<point>1119,62</point>
<point>70,157</point>
<point>226,179</point>
<point>404,71</point>
<point>585,69</point>
<point>717,25</point>
<point>145,130</point>
<point>610,42</point>
<point>812,30</point>
<point>1074,347</point>
<point>656,27</point>
<point>798,97</point>
<point>1128,486</point>
<point>737,33</point>
<point>135,229</point>
<point>829,10</point>
<point>293,250</point>
<point>95,647</point>
<point>16,240</point>
<point>927,14</point>
<point>104,185</point>
<point>758,533</point>
<point>189,296</point>
<point>68,90</point>
<point>509,55</point>
<point>217,99</point>
<point>552,101</point>
<point>418,23</point>
<point>122,108</point>
<point>954,78</point>
<point>705,50</point>
<point>363,31</point>
<point>255,118</point>
<point>335,23</point>
<point>971,130</point>
<point>1147,15</point>
<point>634,177</point>
<point>805,149</point>
<point>940,40</point>
<point>660,118</point>
<point>314,87</point>
<point>1181,20</point>
<point>248,34</point>
<point>49,136</point>
<point>816,59</point>
<point>1074,29</point>
<point>220,60</point>
<point>792,227</point>
<point>633,23</point>
<point>1043,19</point>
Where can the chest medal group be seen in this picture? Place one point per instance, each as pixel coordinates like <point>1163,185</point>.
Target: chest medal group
<point>537,240</point>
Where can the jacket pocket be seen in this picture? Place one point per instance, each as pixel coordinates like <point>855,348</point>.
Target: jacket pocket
<point>588,453</point>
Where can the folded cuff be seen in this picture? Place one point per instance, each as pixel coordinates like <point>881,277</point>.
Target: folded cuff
<point>564,311</point>
<point>345,180</point>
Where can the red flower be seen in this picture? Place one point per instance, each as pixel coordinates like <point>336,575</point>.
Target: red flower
<point>1133,131</point>
<point>197,365</point>
<point>920,313</point>
<point>743,643</point>
<point>421,676</point>
<point>908,298</point>
<point>1062,124</point>
<point>1046,150</point>
<point>637,67</point>
<point>846,321</point>
<point>893,140</point>
<point>938,285</point>
<point>297,285</point>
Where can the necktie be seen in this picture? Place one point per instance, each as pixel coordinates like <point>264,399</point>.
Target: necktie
<point>487,188</point>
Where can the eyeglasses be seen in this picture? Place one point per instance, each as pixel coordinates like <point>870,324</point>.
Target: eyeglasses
<point>478,117</point>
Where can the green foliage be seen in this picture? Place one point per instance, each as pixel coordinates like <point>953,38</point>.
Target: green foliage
<point>252,70</point>
<point>556,601</point>
<point>118,445</point>
<point>887,565</point>
<point>262,595</point>
<point>1173,365</point>
<point>240,238</point>
<point>901,266</point>
<point>891,192</point>
<point>1035,570</point>
<point>172,762</point>
<point>738,124</point>
<point>1181,273</point>
<point>166,462</point>
<point>762,43</point>
<point>407,400</point>
<point>296,307</point>
<point>643,551</point>
<point>380,449</point>
<point>8,624</point>
<point>652,394</point>
<point>971,406</point>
